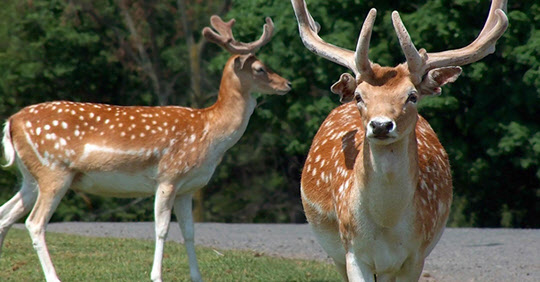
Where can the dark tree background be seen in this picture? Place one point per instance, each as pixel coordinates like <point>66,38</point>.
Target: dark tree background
<point>151,53</point>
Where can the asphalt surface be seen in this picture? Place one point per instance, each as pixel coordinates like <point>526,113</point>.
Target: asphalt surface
<point>462,254</point>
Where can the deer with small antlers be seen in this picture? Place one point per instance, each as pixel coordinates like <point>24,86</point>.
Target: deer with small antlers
<point>107,150</point>
<point>376,186</point>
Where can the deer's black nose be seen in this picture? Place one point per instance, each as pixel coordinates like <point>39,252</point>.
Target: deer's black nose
<point>381,127</point>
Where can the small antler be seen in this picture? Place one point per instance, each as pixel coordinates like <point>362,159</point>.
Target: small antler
<point>225,38</point>
<point>358,61</point>
<point>420,62</point>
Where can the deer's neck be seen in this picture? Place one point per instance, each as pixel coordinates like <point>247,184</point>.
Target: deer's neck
<point>389,179</point>
<point>229,116</point>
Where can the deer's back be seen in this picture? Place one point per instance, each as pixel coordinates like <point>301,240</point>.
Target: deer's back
<point>109,146</point>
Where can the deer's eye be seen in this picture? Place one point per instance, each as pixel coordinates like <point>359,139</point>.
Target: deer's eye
<point>358,98</point>
<point>260,70</point>
<point>413,97</point>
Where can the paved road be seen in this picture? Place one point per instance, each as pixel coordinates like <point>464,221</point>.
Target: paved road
<point>463,254</point>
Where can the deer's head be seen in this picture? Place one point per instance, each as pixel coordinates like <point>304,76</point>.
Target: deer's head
<point>387,97</point>
<point>253,74</point>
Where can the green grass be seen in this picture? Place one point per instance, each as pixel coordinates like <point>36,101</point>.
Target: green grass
<point>79,258</point>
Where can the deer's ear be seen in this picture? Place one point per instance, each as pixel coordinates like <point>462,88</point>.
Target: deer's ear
<point>435,78</point>
<point>344,88</point>
<point>241,60</point>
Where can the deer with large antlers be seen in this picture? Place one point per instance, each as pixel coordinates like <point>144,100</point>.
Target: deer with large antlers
<point>107,150</point>
<point>376,185</point>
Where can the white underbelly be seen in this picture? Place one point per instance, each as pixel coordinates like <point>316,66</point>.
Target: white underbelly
<point>385,250</point>
<point>383,256</point>
<point>118,184</point>
<point>139,183</point>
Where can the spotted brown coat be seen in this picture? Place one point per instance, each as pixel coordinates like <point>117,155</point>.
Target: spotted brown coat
<point>134,151</point>
<point>376,186</point>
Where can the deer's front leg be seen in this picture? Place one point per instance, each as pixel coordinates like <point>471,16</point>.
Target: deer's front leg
<point>165,196</point>
<point>182,209</point>
<point>357,271</point>
<point>411,270</point>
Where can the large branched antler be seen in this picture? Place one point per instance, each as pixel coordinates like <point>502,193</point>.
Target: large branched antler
<point>357,61</point>
<point>420,62</point>
<point>225,38</point>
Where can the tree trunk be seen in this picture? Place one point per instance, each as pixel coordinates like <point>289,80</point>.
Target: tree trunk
<point>197,97</point>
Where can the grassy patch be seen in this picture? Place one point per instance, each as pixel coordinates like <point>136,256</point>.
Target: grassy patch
<point>79,258</point>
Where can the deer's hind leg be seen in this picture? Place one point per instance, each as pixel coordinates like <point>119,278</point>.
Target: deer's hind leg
<point>19,205</point>
<point>53,185</point>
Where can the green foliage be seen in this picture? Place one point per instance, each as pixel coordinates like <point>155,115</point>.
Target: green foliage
<point>487,120</point>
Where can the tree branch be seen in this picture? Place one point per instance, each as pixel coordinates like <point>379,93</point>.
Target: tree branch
<point>145,61</point>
